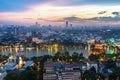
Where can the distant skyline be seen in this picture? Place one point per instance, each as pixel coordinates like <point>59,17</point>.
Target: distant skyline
<point>56,12</point>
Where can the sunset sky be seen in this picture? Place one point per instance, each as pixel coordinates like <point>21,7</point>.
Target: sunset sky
<point>56,12</point>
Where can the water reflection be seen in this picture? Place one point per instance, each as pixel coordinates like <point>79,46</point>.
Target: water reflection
<point>45,50</point>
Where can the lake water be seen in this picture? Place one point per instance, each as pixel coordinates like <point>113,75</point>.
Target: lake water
<point>30,52</point>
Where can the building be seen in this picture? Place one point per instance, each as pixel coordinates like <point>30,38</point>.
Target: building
<point>50,76</point>
<point>14,62</point>
<point>36,40</point>
<point>27,64</point>
<point>2,74</point>
<point>72,66</point>
<point>92,64</point>
<point>66,24</point>
<point>37,25</point>
<point>118,63</point>
<point>70,71</point>
<point>71,75</point>
<point>50,73</point>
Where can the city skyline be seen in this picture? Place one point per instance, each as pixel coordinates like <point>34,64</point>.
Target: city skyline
<point>77,12</point>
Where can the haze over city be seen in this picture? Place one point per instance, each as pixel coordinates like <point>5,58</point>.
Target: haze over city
<point>56,12</point>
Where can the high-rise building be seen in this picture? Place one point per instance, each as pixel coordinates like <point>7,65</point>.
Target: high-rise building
<point>66,24</point>
<point>71,25</point>
<point>16,30</point>
<point>37,24</point>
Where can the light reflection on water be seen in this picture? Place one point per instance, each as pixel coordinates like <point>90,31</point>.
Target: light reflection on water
<point>51,50</point>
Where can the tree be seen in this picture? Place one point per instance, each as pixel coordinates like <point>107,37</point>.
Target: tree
<point>90,74</point>
<point>61,56</point>
<point>93,57</point>
<point>110,64</point>
<point>100,76</point>
<point>12,76</point>
<point>115,74</point>
<point>93,69</point>
<point>28,75</point>
<point>75,56</point>
<point>80,56</point>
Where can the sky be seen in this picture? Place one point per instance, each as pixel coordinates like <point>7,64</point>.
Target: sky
<point>56,12</point>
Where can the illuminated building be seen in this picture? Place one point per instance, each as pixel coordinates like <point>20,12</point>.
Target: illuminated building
<point>98,46</point>
<point>56,47</point>
<point>98,49</point>
<point>92,41</point>
<point>111,51</point>
<point>36,40</point>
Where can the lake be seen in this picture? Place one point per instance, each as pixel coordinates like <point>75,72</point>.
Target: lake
<point>50,50</point>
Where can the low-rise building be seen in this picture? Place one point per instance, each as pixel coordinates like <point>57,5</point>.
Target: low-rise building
<point>50,73</point>
<point>118,63</point>
<point>71,75</point>
<point>2,74</point>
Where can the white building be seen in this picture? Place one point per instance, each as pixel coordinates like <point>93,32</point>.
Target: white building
<point>2,74</point>
<point>92,64</point>
<point>36,40</point>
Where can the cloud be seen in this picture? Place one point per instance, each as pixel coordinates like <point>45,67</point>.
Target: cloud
<point>28,18</point>
<point>77,19</point>
<point>116,13</point>
<point>109,18</point>
<point>102,12</point>
<point>43,19</point>
<point>72,19</point>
